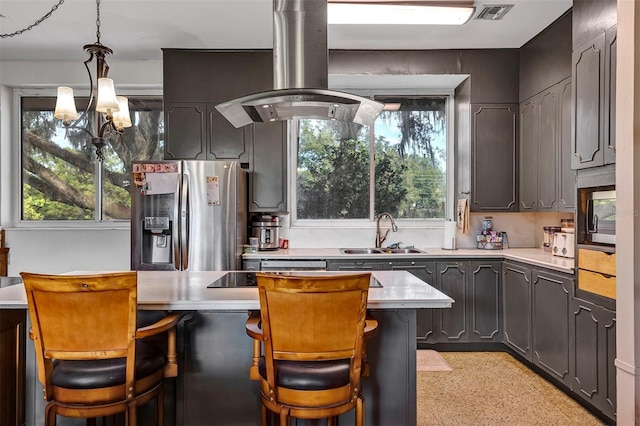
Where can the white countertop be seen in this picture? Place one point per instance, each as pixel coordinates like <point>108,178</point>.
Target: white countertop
<point>533,256</point>
<point>164,290</point>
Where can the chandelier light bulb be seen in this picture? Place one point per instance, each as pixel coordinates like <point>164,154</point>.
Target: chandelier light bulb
<point>65,105</point>
<point>107,102</point>
<point>121,118</point>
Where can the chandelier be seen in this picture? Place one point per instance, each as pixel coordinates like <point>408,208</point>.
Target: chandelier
<point>112,112</point>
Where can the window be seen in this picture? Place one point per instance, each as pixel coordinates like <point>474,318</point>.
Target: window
<point>60,178</point>
<point>348,171</point>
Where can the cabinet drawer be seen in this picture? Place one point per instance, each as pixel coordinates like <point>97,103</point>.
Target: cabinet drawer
<point>598,261</point>
<point>594,282</point>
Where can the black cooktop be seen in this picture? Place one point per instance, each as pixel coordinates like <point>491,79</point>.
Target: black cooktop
<point>248,279</point>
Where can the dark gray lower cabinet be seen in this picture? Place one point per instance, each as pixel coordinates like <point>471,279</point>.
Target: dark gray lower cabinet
<point>485,304</point>
<point>551,296</point>
<point>452,323</point>
<point>592,355</point>
<point>357,265</point>
<point>516,294</point>
<point>425,318</point>
<point>476,315</point>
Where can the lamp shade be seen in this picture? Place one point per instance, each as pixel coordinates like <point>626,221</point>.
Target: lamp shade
<point>121,118</point>
<point>107,101</point>
<point>65,105</point>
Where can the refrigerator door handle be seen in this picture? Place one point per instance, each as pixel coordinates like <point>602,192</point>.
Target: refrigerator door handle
<point>184,222</point>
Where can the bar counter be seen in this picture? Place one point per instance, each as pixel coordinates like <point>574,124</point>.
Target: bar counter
<point>213,385</point>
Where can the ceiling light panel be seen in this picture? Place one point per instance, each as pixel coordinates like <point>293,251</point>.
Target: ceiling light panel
<point>396,14</point>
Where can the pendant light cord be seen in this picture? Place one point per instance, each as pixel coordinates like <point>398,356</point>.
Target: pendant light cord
<point>35,24</point>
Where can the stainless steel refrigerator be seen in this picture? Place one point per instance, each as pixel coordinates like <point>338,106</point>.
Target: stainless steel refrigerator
<point>188,215</point>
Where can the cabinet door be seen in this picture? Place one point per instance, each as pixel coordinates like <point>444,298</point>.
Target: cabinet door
<point>425,318</point>
<point>550,323</point>
<point>588,103</point>
<point>485,302</point>
<point>494,137</point>
<point>566,175</point>
<point>225,142</point>
<point>185,125</point>
<point>516,297</point>
<point>452,322</point>
<point>611,56</point>
<point>529,155</point>
<point>547,152</point>
<point>592,355</point>
<point>268,185</point>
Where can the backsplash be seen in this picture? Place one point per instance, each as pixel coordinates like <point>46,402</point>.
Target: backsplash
<point>523,229</point>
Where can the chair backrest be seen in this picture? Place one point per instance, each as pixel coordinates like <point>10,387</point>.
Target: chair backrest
<point>310,318</point>
<point>82,317</point>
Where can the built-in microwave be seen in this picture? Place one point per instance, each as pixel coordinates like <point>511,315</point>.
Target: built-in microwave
<point>598,211</point>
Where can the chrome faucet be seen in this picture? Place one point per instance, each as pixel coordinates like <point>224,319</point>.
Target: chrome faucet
<point>380,238</point>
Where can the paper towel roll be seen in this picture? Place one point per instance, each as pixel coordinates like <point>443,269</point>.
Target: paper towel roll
<point>449,235</point>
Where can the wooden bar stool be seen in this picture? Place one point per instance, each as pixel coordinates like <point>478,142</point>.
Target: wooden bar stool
<point>92,359</point>
<point>312,330</point>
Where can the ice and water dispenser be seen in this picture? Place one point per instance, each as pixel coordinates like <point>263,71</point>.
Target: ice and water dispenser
<point>156,229</point>
<point>156,239</point>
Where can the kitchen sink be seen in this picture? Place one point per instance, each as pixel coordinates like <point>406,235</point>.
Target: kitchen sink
<point>361,251</point>
<point>379,251</point>
<point>402,251</point>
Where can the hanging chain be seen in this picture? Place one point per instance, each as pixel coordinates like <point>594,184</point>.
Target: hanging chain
<point>35,24</point>
<point>97,21</point>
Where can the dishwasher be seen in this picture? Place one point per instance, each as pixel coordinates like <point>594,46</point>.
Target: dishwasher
<point>293,265</point>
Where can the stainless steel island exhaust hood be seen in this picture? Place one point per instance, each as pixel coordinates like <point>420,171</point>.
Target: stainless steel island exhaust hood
<point>300,74</point>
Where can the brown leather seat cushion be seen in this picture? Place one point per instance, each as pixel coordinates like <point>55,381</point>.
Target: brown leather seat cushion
<point>104,373</point>
<point>309,375</point>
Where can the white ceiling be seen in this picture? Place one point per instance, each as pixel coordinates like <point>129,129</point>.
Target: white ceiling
<point>138,29</point>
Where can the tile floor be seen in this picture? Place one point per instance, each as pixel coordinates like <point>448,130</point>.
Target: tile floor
<point>493,388</point>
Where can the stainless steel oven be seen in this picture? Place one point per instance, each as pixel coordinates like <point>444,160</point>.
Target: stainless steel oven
<point>598,215</point>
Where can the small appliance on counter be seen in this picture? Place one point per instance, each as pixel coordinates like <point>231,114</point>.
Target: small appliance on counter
<point>266,228</point>
<point>562,240</point>
<point>488,239</point>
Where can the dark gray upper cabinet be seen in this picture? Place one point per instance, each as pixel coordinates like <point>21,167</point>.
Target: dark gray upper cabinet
<point>494,138</point>
<point>611,56</point>
<point>566,175</point>
<point>594,98</point>
<point>529,154</point>
<point>195,81</point>
<point>588,103</point>
<point>590,18</point>
<point>551,294</point>
<point>547,182</point>
<point>185,127</point>
<point>268,188</point>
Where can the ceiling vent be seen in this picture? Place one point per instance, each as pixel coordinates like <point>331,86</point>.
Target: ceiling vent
<point>493,12</point>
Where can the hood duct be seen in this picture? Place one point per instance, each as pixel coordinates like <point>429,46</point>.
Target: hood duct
<point>300,74</point>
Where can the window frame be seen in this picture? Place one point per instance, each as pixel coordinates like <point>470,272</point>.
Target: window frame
<point>16,173</point>
<point>425,223</point>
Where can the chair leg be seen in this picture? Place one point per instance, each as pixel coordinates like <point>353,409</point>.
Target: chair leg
<point>360,411</point>
<point>284,417</point>
<point>263,416</point>
<point>160,406</point>
<point>50,414</point>
<point>131,416</point>
<point>91,421</point>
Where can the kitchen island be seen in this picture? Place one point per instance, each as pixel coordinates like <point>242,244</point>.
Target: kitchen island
<point>213,383</point>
